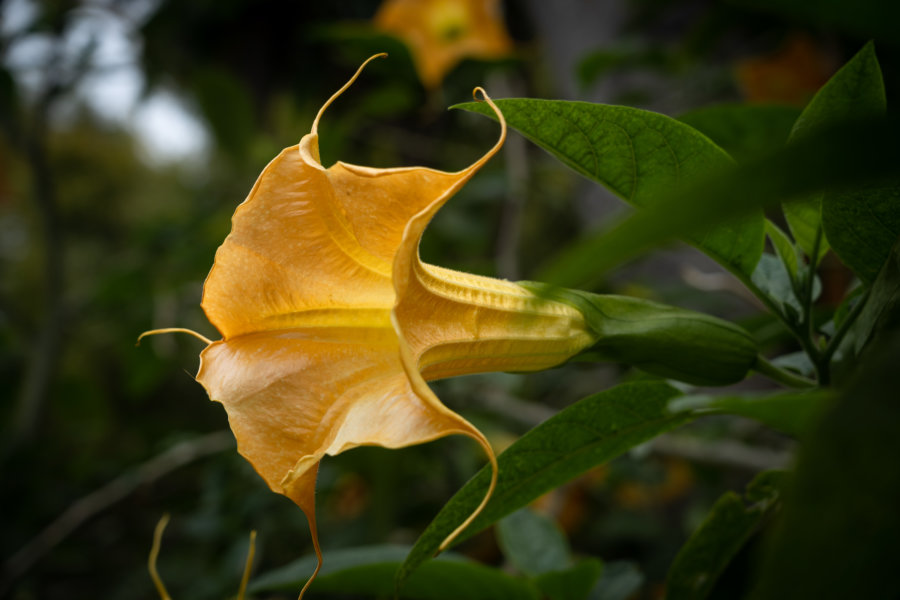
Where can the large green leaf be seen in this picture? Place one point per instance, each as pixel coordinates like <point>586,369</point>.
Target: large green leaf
<point>727,527</point>
<point>856,91</point>
<point>838,530</point>
<point>744,130</point>
<point>638,155</point>
<point>368,572</point>
<point>846,154</point>
<point>584,435</point>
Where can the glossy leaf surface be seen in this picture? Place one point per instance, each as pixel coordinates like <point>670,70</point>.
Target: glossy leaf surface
<point>638,155</point>
<point>842,155</point>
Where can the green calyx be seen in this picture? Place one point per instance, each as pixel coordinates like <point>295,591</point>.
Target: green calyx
<point>663,340</point>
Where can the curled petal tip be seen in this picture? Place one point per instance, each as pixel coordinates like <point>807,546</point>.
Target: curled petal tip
<point>495,469</point>
<point>315,126</point>
<point>480,95</point>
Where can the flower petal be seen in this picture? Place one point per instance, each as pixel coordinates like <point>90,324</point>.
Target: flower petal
<point>440,33</point>
<point>291,256</point>
<point>293,396</point>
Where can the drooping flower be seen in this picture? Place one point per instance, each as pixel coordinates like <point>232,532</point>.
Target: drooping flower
<point>440,33</point>
<point>331,324</point>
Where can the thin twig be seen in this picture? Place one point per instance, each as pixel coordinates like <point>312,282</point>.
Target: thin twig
<point>101,499</point>
<point>726,453</point>
<point>811,347</point>
<point>45,351</point>
<point>766,368</point>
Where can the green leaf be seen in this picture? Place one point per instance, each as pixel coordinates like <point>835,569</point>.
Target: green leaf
<point>620,581</point>
<point>772,278</point>
<point>584,435</point>
<point>536,546</point>
<point>789,412</point>
<point>862,225</point>
<point>804,217</point>
<point>838,530</point>
<point>636,154</point>
<point>727,527</point>
<point>786,250</point>
<point>744,130</point>
<point>798,361</point>
<point>369,572</point>
<point>856,91</point>
<point>533,543</point>
<point>574,583</point>
<point>882,310</point>
<point>841,155</point>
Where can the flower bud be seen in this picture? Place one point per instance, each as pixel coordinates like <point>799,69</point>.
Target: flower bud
<point>667,341</point>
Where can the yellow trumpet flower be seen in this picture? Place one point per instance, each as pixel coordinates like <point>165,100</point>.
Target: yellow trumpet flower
<point>440,33</point>
<point>331,324</point>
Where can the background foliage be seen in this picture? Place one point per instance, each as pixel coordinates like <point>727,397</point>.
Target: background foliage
<point>102,237</point>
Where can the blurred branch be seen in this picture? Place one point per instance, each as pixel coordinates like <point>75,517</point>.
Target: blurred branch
<point>726,453</point>
<point>101,499</point>
<point>45,351</point>
<point>528,414</point>
<point>718,282</point>
<point>509,229</point>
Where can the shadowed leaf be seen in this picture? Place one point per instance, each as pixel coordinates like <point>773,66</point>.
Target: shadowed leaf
<point>744,130</point>
<point>727,527</point>
<point>369,572</point>
<point>855,91</point>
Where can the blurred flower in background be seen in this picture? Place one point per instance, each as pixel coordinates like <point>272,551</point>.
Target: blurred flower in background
<point>789,75</point>
<point>441,33</point>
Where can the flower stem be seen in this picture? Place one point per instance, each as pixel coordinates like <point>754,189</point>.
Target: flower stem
<point>767,369</point>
